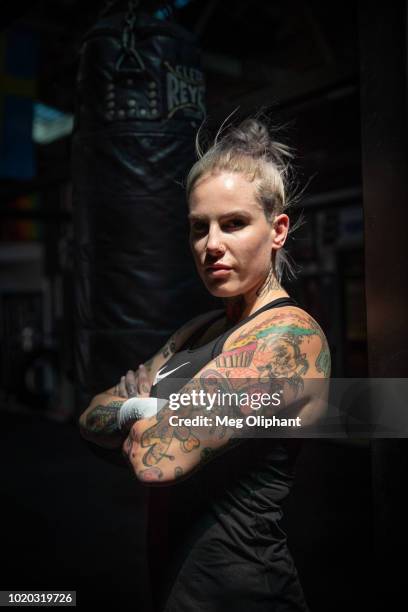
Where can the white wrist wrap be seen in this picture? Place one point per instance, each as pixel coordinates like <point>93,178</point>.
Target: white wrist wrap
<point>137,408</point>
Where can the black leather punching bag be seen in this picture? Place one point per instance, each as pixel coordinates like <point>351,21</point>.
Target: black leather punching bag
<point>140,103</point>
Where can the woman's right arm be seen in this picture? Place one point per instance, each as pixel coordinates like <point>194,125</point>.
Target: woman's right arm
<point>98,423</point>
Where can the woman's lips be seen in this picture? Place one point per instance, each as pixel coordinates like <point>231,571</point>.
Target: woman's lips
<point>218,271</point>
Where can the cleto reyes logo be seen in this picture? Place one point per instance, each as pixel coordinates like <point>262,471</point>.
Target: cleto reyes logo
<point>185,90</point>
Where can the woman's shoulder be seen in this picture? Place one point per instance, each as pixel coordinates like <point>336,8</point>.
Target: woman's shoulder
<point>286,316</point>
<point>279,317</point>
<point>290,332</point>
<point>294,314</point>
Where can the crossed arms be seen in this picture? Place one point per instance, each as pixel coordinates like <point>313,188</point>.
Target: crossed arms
<point>98,423</point>
<point>281,346</point>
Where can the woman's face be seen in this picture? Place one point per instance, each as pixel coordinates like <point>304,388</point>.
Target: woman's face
<point>230,237</point>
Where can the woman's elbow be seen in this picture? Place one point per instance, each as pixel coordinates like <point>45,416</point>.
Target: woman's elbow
<point>156,475</point>
<point>152,476</point>
<point>149,476</point>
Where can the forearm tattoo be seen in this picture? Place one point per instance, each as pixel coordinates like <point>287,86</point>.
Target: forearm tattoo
<point>103,420</point>
<point>169,348</point>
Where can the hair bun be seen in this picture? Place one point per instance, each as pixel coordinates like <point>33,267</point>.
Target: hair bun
<point>251,137</point>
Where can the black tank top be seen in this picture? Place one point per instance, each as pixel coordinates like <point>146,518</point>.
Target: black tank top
<point>228,549</point>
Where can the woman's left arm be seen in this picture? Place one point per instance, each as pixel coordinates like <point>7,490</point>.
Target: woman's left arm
<point>99,422</point>
<point>282,353</point>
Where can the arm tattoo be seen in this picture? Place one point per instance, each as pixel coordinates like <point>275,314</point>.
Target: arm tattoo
<point>281,339</point>
<point>103,419</point>
<point>323,361</point>
<point>169,349</point>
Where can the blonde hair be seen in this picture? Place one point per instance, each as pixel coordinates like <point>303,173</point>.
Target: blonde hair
<point>250,150</point>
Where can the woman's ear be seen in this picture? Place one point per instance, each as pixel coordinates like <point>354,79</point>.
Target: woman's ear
<point>280,231</point>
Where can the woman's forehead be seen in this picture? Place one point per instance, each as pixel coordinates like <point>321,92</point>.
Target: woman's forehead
<point>223,188</point>
<point>224,179</point>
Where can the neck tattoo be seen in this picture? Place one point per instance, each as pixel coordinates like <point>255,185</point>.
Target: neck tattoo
<point>236,306</point>
<point>271,284</point>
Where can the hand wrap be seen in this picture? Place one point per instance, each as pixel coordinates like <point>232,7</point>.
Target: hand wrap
<point>136,408</point>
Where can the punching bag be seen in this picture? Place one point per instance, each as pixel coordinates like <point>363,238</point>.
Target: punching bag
<point>140,102</point>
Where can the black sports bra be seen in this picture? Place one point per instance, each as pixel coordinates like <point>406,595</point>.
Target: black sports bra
<point>185,364</point>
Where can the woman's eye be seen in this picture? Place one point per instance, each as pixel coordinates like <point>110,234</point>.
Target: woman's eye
<point>231,225</point>
<point>235,224</point>
<point>198,228</point>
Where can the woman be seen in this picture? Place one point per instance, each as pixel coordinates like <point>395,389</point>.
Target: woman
<point>227,548</point>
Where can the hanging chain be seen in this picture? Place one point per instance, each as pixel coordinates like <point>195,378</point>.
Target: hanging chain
<point>128,34</point>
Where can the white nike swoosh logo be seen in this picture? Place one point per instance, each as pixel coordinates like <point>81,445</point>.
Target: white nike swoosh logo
<point>159,376</point>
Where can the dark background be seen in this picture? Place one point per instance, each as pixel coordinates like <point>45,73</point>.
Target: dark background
<point>334,74</point>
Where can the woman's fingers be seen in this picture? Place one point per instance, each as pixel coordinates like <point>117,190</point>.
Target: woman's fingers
<point>122,388</point>
<point>144,382</point>
<point>135,384</point>
<point>131,382</point>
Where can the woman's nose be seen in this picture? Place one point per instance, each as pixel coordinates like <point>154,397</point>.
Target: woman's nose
<point>214,242</point>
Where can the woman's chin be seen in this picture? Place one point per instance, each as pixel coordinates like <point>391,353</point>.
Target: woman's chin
<point>222,290</point>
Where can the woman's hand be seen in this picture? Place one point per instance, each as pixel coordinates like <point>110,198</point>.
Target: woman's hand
<point>134,384</point>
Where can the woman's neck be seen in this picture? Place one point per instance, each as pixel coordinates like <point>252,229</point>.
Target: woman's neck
<point>241,306</point>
